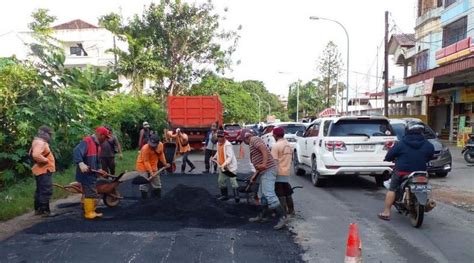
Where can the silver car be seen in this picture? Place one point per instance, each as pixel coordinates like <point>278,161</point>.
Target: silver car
<point>442,163</point>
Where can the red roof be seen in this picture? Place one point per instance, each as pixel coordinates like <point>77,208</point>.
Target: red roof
<point>327,112</point>
<point>74,24</point>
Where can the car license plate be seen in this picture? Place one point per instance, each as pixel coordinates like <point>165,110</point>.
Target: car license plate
<point>420,187</point>
<point>364,148</point>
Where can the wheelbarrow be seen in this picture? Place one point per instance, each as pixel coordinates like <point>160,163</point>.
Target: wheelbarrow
<point>106,188</point>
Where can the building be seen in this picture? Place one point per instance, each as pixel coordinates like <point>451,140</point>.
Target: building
<point>443,64</point>
<point>84,44</point>
<point>404,100</point>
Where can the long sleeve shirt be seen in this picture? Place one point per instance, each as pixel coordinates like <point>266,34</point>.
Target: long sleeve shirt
<point>147,160</point>
<point>43,157</point>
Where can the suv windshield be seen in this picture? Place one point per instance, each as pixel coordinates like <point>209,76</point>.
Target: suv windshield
<point>232,127</point>
<point>368,128</point>
<point>399,129</point>
<point>292,129</point>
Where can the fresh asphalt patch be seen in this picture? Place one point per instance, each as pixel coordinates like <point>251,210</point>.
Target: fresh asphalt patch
<point>188,224</point>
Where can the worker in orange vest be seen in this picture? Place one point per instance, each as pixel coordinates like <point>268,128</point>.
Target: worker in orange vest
<point>184,149</point>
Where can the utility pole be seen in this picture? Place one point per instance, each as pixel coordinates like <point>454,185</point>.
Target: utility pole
<point>385,72</point>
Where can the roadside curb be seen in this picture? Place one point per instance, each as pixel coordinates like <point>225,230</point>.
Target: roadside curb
<point>19,223</point>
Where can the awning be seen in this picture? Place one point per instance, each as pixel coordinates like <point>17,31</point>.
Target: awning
<point>397,89</point>
<point>447,69</point>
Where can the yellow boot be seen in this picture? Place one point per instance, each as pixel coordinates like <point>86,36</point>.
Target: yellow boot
<point>89,209</point>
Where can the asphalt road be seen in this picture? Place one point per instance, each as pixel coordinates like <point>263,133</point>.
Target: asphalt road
<point>319,230</point>
<point>213,235</point>
<point>447,234</point>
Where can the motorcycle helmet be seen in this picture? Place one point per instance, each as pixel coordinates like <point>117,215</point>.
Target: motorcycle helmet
<point>415,126</point>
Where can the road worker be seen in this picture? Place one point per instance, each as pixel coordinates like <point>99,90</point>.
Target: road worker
<point>225,157</point>
<point>86,157</point>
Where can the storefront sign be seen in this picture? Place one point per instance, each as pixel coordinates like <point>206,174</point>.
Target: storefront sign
<point>428,89</point>
<point>466,95</point>
<point>440,99</point>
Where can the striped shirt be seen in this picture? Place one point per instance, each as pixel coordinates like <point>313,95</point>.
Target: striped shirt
<point>256,156</point>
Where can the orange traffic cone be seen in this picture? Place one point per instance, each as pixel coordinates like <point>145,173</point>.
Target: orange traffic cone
<point>354,245</point>
<point>241,152</point>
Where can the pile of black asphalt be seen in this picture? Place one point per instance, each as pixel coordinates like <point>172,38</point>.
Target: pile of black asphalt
<point>194,206</point>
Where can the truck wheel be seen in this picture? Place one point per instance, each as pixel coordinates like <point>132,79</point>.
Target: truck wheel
<point>298,171</point>
<point>315,176</point>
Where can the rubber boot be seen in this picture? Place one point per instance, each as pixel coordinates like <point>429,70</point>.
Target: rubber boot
<point>283,203</point>
<point>224,195</point>
<point>291,206</point>
<point>47,211</point>
<point>144,195</point>
<point>89,209</point>
<point>262,216</point>
<point>282,218</point>
<point>157,192</point>
<point>236,195</point>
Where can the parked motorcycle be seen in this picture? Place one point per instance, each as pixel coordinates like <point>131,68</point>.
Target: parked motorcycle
<point>468,150</point>
<point>413,197</point>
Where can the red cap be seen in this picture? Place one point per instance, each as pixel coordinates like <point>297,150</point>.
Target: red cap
<point>102,131</point>
<point>278,131</point>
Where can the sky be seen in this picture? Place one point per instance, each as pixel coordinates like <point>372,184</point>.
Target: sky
<point>278,44</point>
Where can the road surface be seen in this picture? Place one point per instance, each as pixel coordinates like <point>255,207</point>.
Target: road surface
<point>139,232</point>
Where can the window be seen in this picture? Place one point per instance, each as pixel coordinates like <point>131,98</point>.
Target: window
<point>326,127</point>
<point>232,127</point>
<point>421,62</point>
<point>449,2</point>
<point>75,50</point>
<point>312,131</point>
<point>454,32</point>
<point>355,128</point>
<point>292,129</point>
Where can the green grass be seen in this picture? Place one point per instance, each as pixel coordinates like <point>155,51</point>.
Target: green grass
<point>18,199</point>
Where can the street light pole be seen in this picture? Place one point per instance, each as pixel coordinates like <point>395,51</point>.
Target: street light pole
<point>297,101</point>
<point>297,94</point>
<point>269,108</point>
<point>347,72</point>
<point>259,104</point>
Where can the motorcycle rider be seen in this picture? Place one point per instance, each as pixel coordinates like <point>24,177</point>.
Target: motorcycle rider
<point>410,154</point>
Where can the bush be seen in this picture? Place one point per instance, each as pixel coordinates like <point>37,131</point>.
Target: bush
<point>126,114</point>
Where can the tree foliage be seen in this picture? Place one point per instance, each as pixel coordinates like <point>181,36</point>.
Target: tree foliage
<point>330,67</point>
<point>311,98</point>
<point>71,101</point>
<point>240,102</point>
<point>174,43</point>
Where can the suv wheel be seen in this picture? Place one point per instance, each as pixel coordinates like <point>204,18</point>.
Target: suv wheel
<point>315,176</point>
<point>298,171</point>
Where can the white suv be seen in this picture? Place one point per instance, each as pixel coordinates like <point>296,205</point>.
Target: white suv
<point>290,128</point>
<point>351,145</point>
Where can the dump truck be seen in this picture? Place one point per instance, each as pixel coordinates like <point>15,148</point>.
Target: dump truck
<point>194,115</point>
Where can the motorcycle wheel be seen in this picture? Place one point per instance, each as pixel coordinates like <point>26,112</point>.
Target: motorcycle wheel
<point>417,215</point>
<point>468,157</point>
<point>110,201</point>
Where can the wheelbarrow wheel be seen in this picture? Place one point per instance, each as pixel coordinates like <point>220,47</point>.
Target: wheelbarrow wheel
<point>110,201</point>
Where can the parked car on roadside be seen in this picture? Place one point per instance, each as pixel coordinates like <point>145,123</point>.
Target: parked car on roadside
<point>232,132</point>
<point>291,128</point>
<point>442,164</point>
<point>349,145</point>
